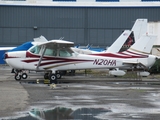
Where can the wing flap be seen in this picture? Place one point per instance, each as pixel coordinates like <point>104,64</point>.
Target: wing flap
<point>130,62</point>
<point>134,63</point>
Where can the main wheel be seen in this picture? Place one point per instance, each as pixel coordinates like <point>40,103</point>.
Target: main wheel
<point>53,78</point>
<point>46,76</point>
<point>58,75</point>
<point>18,77</point>
<point>24,75</point>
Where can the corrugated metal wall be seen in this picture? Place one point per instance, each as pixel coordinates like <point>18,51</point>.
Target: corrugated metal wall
<point>82,25</point>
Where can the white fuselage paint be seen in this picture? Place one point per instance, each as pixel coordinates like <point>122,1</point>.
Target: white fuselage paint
<point>18,60</point>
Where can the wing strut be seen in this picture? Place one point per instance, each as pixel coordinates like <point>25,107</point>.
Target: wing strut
<point>39,62</point>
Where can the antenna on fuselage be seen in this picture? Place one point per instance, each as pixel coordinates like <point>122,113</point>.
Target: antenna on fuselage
<point>61,38</point>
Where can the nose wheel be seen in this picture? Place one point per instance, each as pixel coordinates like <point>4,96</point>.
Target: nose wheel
<point>17,77</point>
<point>20,75</point>
<point>24,75</point>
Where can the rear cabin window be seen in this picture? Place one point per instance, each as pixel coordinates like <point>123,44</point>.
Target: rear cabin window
<point>65,53</point>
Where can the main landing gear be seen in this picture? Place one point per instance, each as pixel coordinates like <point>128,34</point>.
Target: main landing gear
<point>53,76</point>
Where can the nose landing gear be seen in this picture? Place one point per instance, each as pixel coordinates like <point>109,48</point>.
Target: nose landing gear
<point>20,74</point>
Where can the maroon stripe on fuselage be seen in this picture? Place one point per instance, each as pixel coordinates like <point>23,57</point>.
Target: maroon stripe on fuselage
<point>119,55</point>
<point>28,54</point>
<point>59,60</point>
<point>64,60</point>
<point>109,55</point>
<point>136,53</point>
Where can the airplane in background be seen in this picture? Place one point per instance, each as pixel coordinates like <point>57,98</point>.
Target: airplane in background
<point>56,55</point>
<point>126,39</point>
<point>123,42</point>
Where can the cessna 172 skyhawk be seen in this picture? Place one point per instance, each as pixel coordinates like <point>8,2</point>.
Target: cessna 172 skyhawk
<point>56,55</point>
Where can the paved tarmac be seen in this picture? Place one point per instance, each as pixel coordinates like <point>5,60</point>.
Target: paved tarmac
<point>79,98</point>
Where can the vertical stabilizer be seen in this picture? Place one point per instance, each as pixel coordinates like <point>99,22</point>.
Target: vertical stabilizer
<point>40,39</point>
<point>117,45</point>
<point>139,28</point>
<point>144,44</point>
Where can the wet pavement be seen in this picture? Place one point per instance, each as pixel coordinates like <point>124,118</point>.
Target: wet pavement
<point>80,98</point>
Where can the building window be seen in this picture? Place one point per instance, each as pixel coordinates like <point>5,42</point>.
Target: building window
<point>64,0</point>
<point>150,0</point>
<point>107,0</point>
<point>13,0</point>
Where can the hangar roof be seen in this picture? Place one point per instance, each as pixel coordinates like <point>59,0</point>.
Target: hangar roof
<point>80,4</point>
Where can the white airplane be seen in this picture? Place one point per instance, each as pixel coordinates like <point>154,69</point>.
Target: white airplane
<point>56,55</point>
<point>115,47</point>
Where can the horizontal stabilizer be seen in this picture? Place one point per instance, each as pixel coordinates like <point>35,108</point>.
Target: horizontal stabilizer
<point>144,44</point>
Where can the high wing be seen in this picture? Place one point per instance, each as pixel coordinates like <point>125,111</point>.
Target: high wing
<point>6,48</point>
<point>58,43</point>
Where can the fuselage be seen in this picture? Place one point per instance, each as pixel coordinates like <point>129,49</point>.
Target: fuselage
<point>71,61</point>
<point>27,60</point>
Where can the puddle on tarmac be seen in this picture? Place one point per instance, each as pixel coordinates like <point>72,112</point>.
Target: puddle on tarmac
<point>62,113</point>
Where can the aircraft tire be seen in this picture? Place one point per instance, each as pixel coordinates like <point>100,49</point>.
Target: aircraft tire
<point>53,78</point>
<point>17,77</point>
<point>58,75</point>
<point>24,75</point>
<point>46,76</point>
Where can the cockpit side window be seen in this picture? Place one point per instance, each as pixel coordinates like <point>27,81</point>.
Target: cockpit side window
<point>50,52</point>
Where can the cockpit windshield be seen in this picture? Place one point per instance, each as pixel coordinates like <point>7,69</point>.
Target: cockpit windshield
<point>35,49</point>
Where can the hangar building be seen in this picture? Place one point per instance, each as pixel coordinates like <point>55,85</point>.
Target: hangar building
<point>96,22</point>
